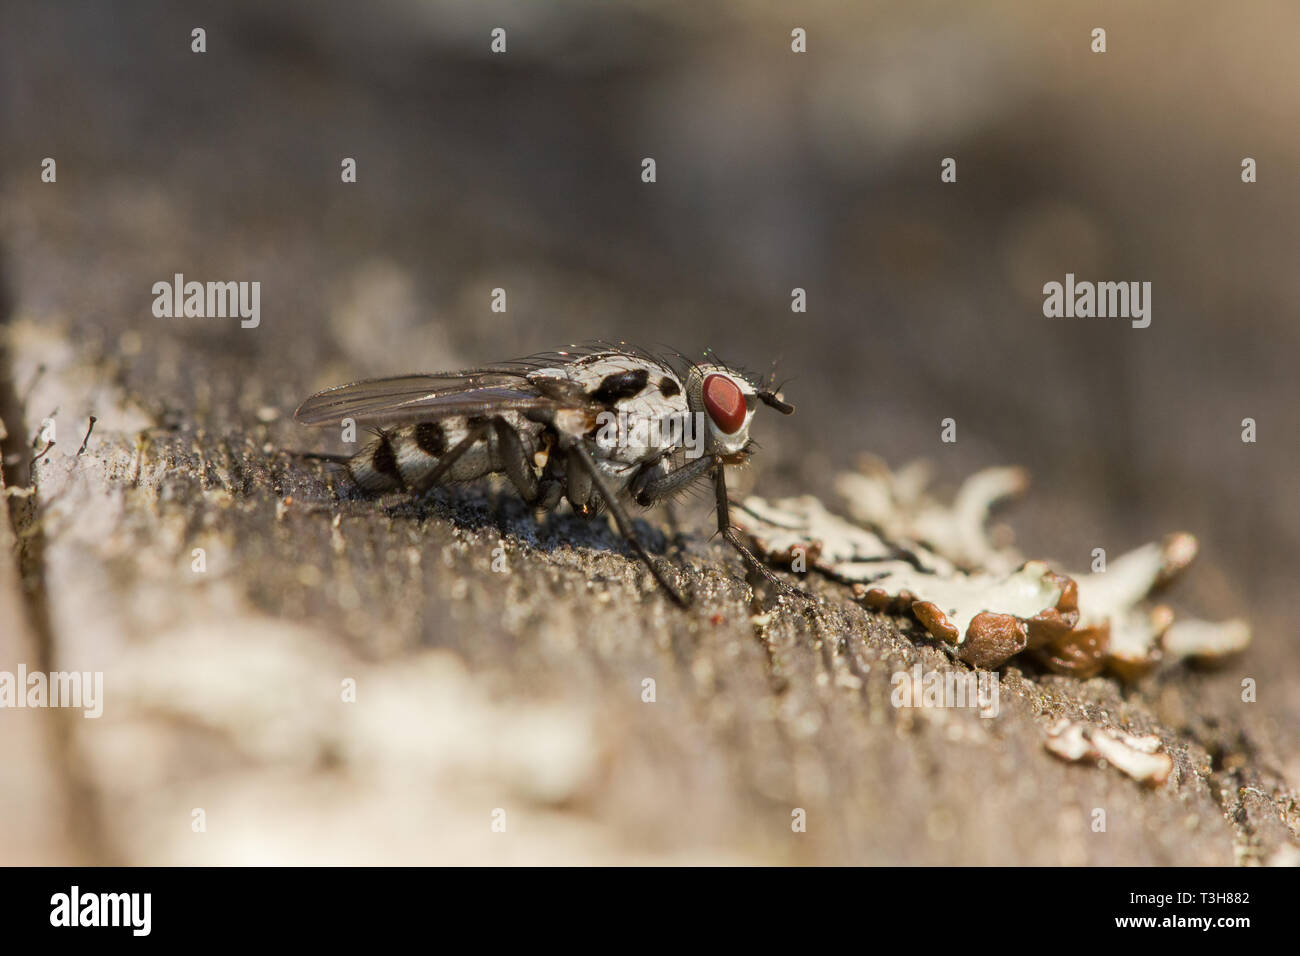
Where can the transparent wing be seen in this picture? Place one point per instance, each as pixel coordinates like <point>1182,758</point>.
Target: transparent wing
<point>545,380</point>
<point>408,398</point>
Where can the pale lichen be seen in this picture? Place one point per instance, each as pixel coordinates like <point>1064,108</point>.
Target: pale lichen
<point>906,552</point>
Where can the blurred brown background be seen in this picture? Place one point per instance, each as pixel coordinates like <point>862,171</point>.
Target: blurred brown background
<point>775,170</point>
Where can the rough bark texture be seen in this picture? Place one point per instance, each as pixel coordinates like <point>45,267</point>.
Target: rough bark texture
<point>522,689</point>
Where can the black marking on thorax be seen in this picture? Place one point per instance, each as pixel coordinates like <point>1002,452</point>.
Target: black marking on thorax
<point>619,385</point>
<point>668,387</point>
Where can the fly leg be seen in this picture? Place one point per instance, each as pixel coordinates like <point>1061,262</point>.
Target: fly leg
<point>515,460</point>
<point>728,531</point>
<point>647,490</point>
<point>549,495</point>
<point>577,453</point>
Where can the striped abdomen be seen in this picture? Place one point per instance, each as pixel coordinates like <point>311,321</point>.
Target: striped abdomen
<point>401,458</point>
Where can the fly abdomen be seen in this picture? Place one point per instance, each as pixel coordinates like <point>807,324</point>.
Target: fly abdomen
<point>376,467</point>
<point>400,459</point>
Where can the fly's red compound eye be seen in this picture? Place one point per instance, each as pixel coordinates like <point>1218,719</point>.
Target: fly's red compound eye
<point>724,403</point>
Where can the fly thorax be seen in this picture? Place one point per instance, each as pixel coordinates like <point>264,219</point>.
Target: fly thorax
<point>622,433</point>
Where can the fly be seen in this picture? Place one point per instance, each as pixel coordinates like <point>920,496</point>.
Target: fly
<point>599,426</point>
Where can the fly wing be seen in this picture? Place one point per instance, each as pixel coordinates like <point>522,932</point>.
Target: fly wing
<point>547,380</point>
<point>412,398</point>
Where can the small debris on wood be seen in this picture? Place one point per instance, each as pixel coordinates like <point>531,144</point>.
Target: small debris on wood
<point>86,441</point>
<point>1139,757</point>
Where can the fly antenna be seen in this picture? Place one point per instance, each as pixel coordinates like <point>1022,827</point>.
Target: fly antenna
<point>775,400</point>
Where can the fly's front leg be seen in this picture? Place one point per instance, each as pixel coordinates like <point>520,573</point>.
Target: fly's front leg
<point>578,454</point>
<point>728,531</point>
<point>648,488</point>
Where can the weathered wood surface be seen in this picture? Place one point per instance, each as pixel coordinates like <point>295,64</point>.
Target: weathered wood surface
<point>520,690</point>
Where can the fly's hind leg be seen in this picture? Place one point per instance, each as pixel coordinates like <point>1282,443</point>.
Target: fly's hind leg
<point>478,430</point>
